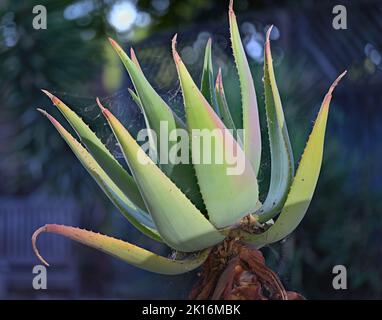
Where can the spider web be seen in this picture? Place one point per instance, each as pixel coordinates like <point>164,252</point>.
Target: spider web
<point>122,105</point>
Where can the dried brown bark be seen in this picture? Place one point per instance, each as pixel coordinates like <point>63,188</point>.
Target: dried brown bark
<point>235,271</point>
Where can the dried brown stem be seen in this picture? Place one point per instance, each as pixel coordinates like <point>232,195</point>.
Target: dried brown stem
<point>235,271</point>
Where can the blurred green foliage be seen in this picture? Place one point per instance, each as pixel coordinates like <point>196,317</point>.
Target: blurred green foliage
<point>31,60</point>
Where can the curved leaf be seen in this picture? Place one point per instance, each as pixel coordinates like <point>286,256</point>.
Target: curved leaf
<point>156,111</point>
<point>135,60</point>
<point>228,197</point>
<point>251,124</point>
<point>179,222</point>
<point>207,82</point>
<point>136,99</point>
<point>282,165</point>
<point>140,219</point>
<point>100,153</point>
<point>125,251</point>
<point>304,183</point>
<point>225,113</point>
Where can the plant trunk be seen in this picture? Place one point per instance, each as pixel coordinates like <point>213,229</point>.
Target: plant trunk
<point>235,271</point>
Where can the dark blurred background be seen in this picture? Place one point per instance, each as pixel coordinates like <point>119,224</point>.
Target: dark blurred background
<point>42,181</point>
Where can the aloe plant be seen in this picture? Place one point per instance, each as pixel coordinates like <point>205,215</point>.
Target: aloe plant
<point>197,209</point>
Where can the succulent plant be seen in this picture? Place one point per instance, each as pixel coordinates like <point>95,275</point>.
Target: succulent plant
<point>193,207</point>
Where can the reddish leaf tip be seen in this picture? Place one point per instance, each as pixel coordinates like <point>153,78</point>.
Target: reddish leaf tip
<point>112,41</point>
<point>173,46</point>
<point>134,58</point>
<point>335,82</point>
<point>174,39</point>
<point>52,97</point>
<point>50,118</point>
<point>34,240</point>
<point>219,80</point>
<point>231,7</point>
<point>268,35</point>
<point>115,45</point>
<point>132,53</point>
<point>104,111</point>
<point>328,96</point>
<point>47,93</point>
<point>42,111</point>
<point>100,105</point>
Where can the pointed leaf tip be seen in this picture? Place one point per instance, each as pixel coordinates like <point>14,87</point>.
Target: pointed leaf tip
<point>173,47</point>
<point>127,252</point>
<point>113,42</point>
<point>219,80</point>
<point>115,45</point>
<point>268,35</point>
<point>219,73</point>
<point>223,106</point>
<point>250,117</point>
<point>34,240</point>
<point>304,182</point>
<point>100,105</point>
<point>132,53</point>
<point>135,59</point>
<point>207,85</point>
<point>230,8</point>
<point>120,194</point>
<point>335,82</point>
<point>52,97</point>
<point>282,168</point>
<point>328,95</point>
<point>47,93</point>
<point>50,118</point>
<point>41,110</point>
<point>106,113</point>
<point>156,111</point>
<point>225,202</point>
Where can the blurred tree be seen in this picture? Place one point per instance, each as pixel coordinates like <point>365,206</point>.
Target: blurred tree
<point>34,59</point>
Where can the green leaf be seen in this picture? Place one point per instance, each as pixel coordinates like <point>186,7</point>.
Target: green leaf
<point>136,100</point>
<point>100,153</point>
<point>125,251</point>
<point>135,60</point>
<point>304,183</point>
<point>181,225</point>
<point>207,82</point>
<point>282,166</point>
<point>228,196</point>
<point>181,173</point>
<point>157,111</point>
<point>225,114</point>
<point>140,219</point>
<point>251,125</point>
